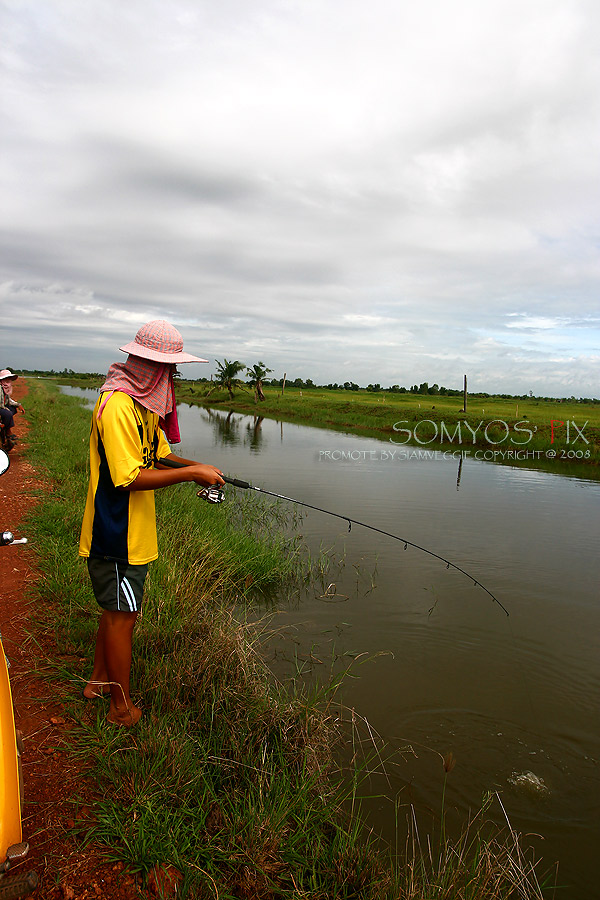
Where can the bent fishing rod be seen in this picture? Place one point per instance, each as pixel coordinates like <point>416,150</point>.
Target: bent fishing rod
<point>214,494</point>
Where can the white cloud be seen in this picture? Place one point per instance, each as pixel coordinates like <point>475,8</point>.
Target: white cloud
<point>385,184</point>
<point>537,323</point>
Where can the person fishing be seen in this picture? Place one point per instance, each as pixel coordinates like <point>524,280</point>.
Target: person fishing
<point>8,405</point>
<point>133,423</point>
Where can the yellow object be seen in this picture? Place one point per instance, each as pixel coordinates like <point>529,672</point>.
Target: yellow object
<point>121,524</point>
<point>10,801</point>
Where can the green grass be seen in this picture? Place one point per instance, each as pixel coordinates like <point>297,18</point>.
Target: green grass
<point>231,776</point>
<point>559,436</point>
<point>491,425</point>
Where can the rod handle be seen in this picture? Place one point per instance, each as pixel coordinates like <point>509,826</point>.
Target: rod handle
<point>171,463</point>
<point>236,482</point>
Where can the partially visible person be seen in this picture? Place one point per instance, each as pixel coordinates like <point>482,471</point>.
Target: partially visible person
<point>8,406</point>
<point>134,416</point>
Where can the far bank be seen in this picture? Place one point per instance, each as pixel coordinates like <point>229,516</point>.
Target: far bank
<point>558,436</point>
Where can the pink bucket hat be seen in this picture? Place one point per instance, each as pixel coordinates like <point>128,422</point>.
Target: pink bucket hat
<point>161,342</point>
<point>7,374</point>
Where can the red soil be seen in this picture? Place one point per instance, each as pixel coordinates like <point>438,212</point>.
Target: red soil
<point>54,780</point>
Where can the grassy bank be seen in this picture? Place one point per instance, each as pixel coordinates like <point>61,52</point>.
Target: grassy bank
<point>230,777</point>
<point>563,437</point>
<point>559,436</point>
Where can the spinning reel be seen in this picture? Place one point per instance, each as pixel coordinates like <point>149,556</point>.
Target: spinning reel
<point>212,494</point>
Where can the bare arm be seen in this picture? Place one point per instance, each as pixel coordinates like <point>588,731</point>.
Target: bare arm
<point>200,473</point>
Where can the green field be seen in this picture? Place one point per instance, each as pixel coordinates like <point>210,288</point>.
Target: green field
<point>559,436</point>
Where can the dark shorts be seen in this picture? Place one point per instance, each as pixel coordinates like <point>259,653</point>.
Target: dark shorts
<point>7,416</point>
<point>118,587</point>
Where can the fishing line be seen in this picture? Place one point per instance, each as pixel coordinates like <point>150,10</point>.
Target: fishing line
<point>214,495</point>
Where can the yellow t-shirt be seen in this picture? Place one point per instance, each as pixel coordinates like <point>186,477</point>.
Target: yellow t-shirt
<point>121,525</point>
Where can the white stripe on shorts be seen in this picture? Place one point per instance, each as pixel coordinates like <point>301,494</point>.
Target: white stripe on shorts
<point>127,591</point>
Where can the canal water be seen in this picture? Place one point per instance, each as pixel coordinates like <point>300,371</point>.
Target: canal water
<point>436,667</point>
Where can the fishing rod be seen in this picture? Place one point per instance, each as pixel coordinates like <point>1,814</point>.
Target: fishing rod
<point>214,494</point>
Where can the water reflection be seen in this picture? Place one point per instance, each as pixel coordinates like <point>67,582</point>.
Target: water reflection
<point>459,473</point>
<point>255,434</point>
<point>232,429</point>
<point>226,426</point>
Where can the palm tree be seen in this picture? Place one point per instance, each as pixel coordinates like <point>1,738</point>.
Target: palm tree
<point>257,374</point>
<point>227,372</point>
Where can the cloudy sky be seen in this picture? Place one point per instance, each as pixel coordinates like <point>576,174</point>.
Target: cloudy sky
<point>371,190</point>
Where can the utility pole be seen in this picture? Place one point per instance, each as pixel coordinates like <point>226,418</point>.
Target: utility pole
<point>465,395</point>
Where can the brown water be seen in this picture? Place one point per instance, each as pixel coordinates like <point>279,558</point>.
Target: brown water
<point>516,699</point>
<point>438,664</point>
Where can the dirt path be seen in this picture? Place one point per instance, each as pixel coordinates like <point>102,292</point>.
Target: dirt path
<point>52,777</point>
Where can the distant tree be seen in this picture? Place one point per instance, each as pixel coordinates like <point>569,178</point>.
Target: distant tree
<point>227,372</point>
<point>257,375</point>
